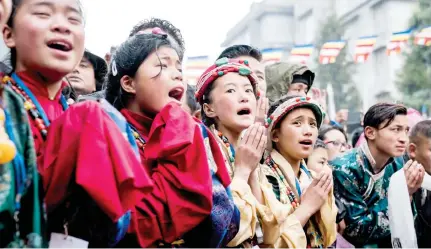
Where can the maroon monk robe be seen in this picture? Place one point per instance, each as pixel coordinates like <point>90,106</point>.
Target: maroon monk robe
<point>175,159</point>
<point>53,109</point>
<point>84,145</point>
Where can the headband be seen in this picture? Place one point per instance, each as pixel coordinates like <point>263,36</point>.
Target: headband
<point>221,67</point>
<point>288,106</point>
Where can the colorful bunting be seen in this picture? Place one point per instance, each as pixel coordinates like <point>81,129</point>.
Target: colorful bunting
<point>194,67</point>
<point>364,48</point>
<point>198,62</point>
<point>398,42</point>
<point>423,37</point>
<point>301,53</point>
<point>330,51</point>
<point>271,55</point>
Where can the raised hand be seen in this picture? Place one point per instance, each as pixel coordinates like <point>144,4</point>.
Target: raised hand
<point>250,150</point>
<point>414,173</point>
<point>317,193</point>
<point>262,110</point>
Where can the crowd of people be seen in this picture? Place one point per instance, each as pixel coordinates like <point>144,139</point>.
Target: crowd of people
<point>121,152</point>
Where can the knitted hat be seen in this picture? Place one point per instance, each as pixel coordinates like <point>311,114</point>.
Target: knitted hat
<point>221,67</point>
<point>288,106</point>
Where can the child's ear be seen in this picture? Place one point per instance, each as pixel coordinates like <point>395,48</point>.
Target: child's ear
<point>412,150</point>
<point>370,133</point>
<point>197,114</point>
<point>275,135</point>
<point>128,84</point>
<point>209,110</point>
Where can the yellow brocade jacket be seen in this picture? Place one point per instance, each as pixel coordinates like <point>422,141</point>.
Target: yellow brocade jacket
<point>325,217</point>
<point>272,217</point>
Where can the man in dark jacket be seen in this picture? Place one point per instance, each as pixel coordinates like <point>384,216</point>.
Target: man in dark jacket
<point>88,76</point>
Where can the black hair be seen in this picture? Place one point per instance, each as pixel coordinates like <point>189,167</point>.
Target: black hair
<point>320,144</point>
<point>99,67</point>
<point>126,61</point>
<point>236,51</point>
<point>381,115</point>
<point>207,99</point>
<point>166,26</point>
<point>327,128</point>
<point>356,135</point>
<point>191,99</point>
<point>420,130</point>
<point>10,23</point>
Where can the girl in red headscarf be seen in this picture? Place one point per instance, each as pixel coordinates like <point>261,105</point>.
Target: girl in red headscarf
<point>89,172</point>
<point>227,92</point>
<point>190,205</point>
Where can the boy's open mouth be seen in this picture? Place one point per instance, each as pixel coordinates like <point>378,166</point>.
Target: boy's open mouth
<point>60,45</point>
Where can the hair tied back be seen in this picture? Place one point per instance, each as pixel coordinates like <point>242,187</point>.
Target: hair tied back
<point>114,68</point>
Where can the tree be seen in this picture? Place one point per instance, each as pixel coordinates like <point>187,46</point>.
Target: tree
<point>414,79</point>
<point>339,74</point>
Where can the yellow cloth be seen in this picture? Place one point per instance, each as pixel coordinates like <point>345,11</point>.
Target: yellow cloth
<point>273,216</point>
<point>325,218</point>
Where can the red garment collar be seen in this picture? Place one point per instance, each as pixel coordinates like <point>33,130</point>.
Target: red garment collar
<point>141,122</point>
<point>37,87</point>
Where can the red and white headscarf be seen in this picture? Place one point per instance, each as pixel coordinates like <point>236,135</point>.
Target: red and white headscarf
<point>289,105</point>
<point>222,67</point>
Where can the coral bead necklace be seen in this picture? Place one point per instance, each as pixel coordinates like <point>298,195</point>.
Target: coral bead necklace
<point>31,104</point>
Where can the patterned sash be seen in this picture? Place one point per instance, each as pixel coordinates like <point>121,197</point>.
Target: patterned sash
<point>225,216</point>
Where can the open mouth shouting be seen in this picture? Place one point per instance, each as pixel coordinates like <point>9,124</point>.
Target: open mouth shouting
<point>60,46</point>
<point>244,112</point>
<point>306,143</point>
<point>177,93</point>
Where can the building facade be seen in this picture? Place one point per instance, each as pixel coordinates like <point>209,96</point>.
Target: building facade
<point>299,21</point>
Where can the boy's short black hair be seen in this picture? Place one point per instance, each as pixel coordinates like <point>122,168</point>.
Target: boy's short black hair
<point>420,131</point>
<point>236,51</point>
<point>381,115</point>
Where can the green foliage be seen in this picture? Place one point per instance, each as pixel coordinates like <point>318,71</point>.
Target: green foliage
<point>414,80</point>
<point>339,74</point>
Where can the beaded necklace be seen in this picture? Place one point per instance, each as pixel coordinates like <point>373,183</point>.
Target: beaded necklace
<point>140,141</point>
<point>277,171</point>
<point>31,104</point>
<point>229,147</point>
